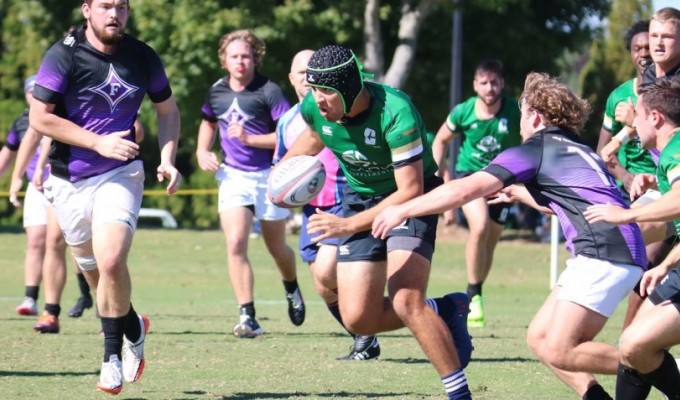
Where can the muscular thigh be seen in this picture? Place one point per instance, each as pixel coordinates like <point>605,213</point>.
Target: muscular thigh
<point>361,287</point>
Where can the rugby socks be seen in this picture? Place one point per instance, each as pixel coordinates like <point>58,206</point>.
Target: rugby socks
<point>132,329</point>
<point>474,289</point>
<point>666,377</point>
<point>334,309</point>
<point>290,286</point>
<point>32,292</point>
<point>113,329</point>
<point>630,385</point>
<point>83,285</point>
<point>596,392</point>
<point>247,309</point>
<point>456,386</point>
<point>53,309</point>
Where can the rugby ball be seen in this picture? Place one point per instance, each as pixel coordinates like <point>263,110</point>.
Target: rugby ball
<point>295,181</point>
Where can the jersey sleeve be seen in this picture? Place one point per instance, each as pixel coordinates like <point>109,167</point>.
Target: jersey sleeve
<point>159,86</point>
<point>404,138</point>
<point>453,119</point>
<point>518,164</point>
<point>13,139</point>
<point>53,74</point>
<point>608,122</point>
<point>278,104</point>
<point>280,150</point>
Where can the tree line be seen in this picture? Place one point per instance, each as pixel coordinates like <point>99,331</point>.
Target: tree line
<point>561,37</point>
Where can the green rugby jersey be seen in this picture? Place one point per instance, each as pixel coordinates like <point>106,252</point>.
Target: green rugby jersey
<point>483,140</point>
<point>632,156</point>
<point>390,134</point>
<point>668,171</point>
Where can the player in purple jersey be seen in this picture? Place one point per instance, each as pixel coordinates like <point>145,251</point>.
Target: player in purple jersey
<point>563,176</point>
<point>244,107</point>
<point>321,256</point>
<point>89,88</point>
<point>645,360</point>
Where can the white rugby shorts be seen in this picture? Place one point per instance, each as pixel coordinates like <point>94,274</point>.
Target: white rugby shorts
<point>247,188</point>
<point>597,285</point>
<point>112,197</point>
<point>35,207</point>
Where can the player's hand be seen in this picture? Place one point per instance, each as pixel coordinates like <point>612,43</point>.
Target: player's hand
<point>38,180</point>
<point>625,112</point>
<point>236,131</point>
<point>169,172</point>
<point>388,219</point>
<point>640,184</point>
<point>651,278</point>
<point>609,151</point>
<point>14,189</point>
<point>327,225</point>
<point>207,160</point>
<point>505,195</point>
<point>115,146</point>
<point>606,213</point>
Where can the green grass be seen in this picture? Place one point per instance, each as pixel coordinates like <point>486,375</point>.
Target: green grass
<point>180,280</point>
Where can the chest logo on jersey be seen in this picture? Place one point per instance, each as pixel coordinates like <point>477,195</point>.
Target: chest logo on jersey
<point>114,89</point>
<point>369,137</point>
<point>503,125</point>
<point>327,130</point>
<point>235,114</point>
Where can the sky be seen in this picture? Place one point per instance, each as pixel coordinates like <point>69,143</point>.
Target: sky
<point>658,4</point>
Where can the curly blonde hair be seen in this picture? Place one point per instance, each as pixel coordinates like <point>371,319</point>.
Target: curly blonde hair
<point>256,44</point>
<point>558,105</point>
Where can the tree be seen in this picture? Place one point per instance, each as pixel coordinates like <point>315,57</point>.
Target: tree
<point>414,35</point>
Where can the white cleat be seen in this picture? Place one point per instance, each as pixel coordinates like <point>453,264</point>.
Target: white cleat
<point>110,377</point>
<point>133,353</point>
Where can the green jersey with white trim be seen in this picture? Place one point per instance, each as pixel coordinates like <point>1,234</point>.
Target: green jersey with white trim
<point>369,146</point>
<point>632,156</point>
<point>482,140</point>
<point>668,171</point>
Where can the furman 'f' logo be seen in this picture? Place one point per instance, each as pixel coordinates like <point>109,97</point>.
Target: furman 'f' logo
<point>114,89</point>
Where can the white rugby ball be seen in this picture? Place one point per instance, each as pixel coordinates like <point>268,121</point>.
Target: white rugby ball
<point>295,181</point>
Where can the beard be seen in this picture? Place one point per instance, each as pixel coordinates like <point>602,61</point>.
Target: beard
<point>493,101</point>
<point>108,38</point>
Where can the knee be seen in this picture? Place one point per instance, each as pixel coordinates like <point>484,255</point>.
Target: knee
<point>631,346</point>
<point>407,306</point>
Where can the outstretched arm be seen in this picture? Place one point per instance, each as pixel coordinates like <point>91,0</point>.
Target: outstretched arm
<point>450,195</point>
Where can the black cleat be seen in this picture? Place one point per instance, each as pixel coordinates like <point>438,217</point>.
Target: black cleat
<point>364,348</point>
<point>296,307</point>
<point>83,303</point>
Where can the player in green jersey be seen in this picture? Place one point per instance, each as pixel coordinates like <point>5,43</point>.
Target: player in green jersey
<point>379,140</point>
<point>632,158</point>
<point>645,362</point>
<point>488,124</point>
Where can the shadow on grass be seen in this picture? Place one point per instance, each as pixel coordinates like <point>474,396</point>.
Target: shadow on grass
<point>348,395</point>
<point>410,360</point>
<point>36,374</point>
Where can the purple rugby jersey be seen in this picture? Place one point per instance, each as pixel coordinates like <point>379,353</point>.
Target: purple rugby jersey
<point>99,92</point>
<point>256,108</point>
<point>565,175</point>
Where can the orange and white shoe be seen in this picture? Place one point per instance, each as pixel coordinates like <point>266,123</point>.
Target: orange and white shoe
<point>133,353</point>
<point>111,376</point>
<point>27,307</point>
<point>47,323</point>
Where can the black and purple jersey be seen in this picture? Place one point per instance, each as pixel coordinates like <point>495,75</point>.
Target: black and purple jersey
<point>16,135</point>
<point>256,108</point>
<point>649,76</point>
<point>99,92</point>
<point>565,175</point>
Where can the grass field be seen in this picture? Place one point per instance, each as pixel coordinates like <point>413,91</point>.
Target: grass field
<point>180,280</point>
